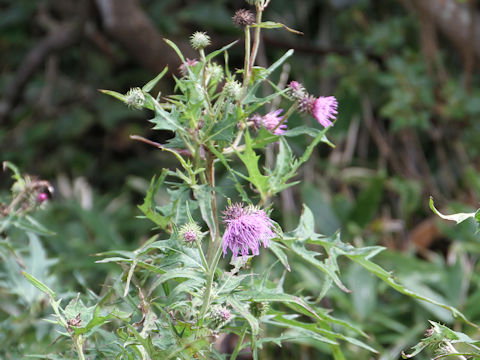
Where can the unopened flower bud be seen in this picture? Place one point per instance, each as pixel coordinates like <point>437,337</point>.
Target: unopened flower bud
<point>243,18</point>
<point>258,309</point>
<point>214,72</point>
<point>135,98</point>
<point>220,314</point>
<point>232,89</point>
<point>199,40</point>
<point>296,90</point>
<point>190,232</point>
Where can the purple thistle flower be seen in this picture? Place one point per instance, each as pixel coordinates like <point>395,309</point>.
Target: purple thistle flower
<point>324,109</point>
<point>271,120</point>
<point>247,229</point>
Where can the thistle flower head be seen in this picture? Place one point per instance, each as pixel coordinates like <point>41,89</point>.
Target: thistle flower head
<point>325,110</point>
<point>258,308</point>
<point>190,232</point>
<point>213,73</point>
<point>247,229</point>
<point>232,89</point>
<point>135,98</point>
<point>199,40</point>
<point>220,314</point>
<point>188,63</point>
<point>296,90</point>
<point>272,120</point>
<point>243,17</point>
<point>305,103</point>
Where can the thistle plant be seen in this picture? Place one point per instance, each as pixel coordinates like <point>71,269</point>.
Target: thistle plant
<point>199,275</point>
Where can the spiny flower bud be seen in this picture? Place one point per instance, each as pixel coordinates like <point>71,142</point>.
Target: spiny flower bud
<point>214,72</point>
<point>232,89</point>
<point>190,232</point>
<point>296,90</point>
<point>220,314</point>
<point>243,17</point>
<point>258,309</point>
<point>135,98</point>
<point>199,40</point>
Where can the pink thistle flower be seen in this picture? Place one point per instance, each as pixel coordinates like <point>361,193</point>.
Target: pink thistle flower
<point>42,197</point>
<point>295,85</point>
<point>247,229</point>
<point>324,109</point>
<point>188,63</point>
<point>272,120</point>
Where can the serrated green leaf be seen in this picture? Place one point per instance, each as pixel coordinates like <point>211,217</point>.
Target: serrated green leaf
<point>277,249</point>
<point>163,119</point>
<point>252,320</point>
<point>203,194</point>
<point>148,206</point>
<point>250,160</point>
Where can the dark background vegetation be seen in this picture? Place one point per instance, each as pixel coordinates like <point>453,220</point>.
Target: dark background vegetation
<point>405,73</point>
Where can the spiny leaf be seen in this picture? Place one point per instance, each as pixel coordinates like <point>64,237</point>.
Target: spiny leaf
<point>250,160</point>
<point>148,206</point>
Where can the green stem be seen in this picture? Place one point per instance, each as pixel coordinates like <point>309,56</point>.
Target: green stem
<point>214,247</point>
<point>208,287</point>
<point>216,231</point>
<point>202,255</point>
<point>256,41</point>
<point>78,345</point>
<point>239,343</point>
<point>246,74</point>
<point>452,351</point>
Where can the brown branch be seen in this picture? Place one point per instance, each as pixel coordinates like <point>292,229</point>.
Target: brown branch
<point>126,22</point>
<point>456,21</point>
<point>160,146</point>
<point>64,35</point>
